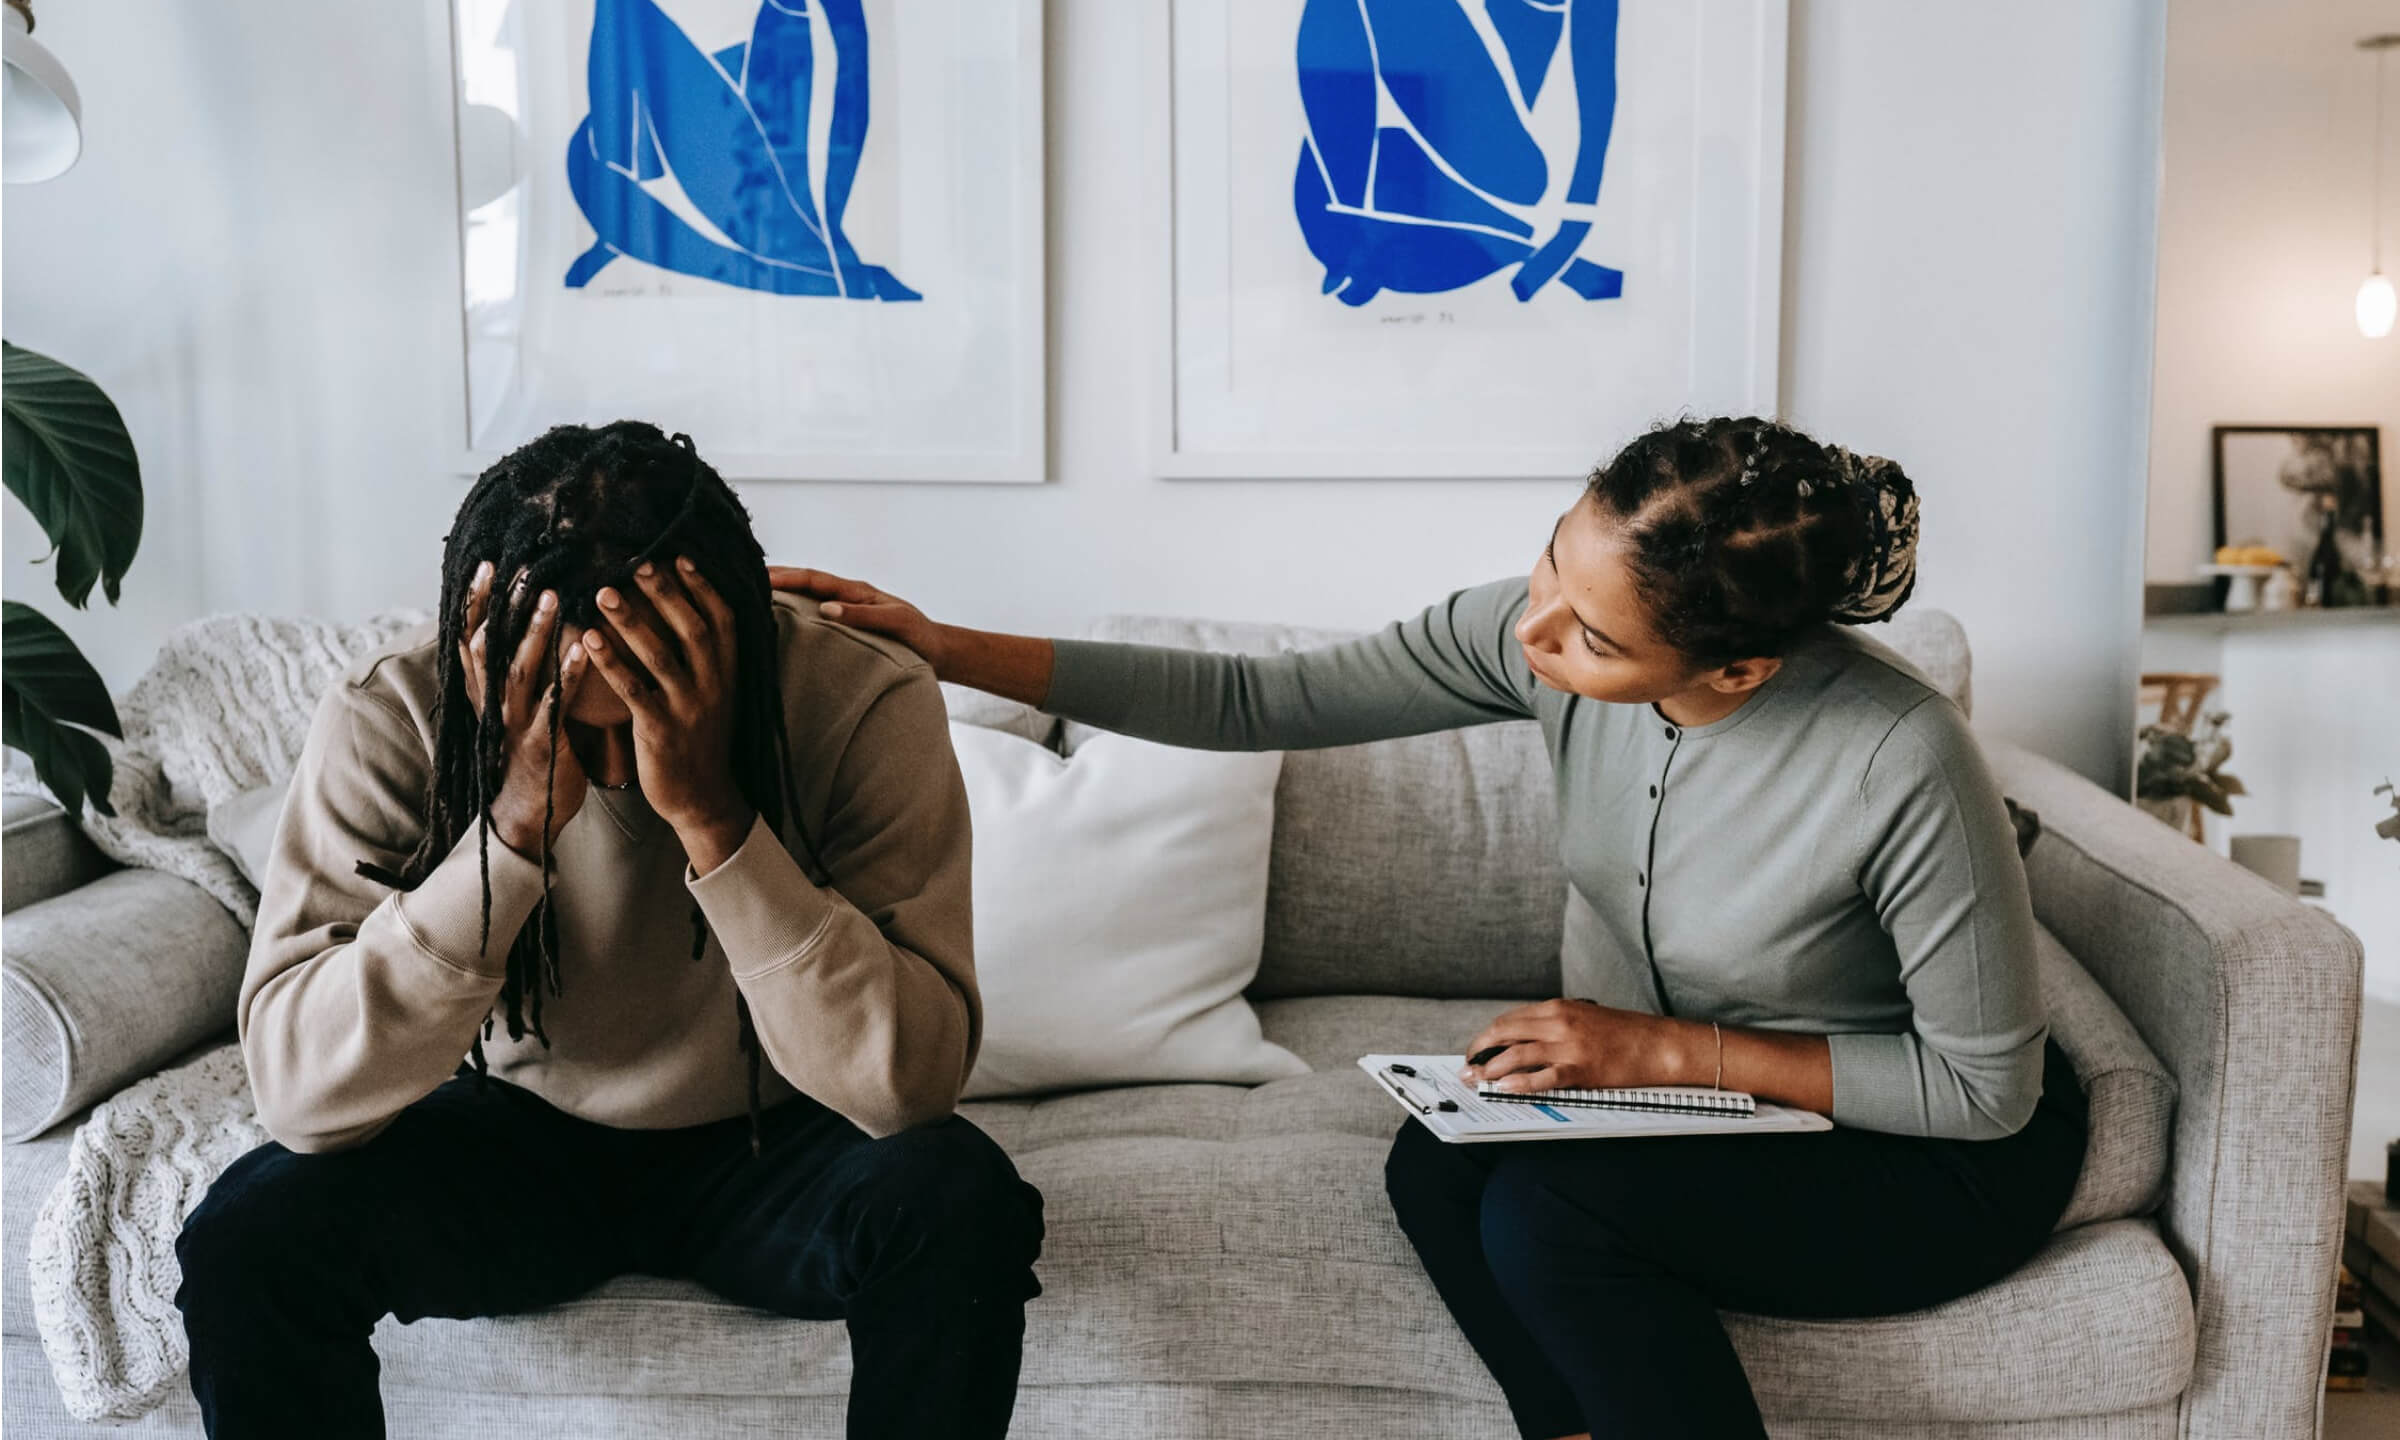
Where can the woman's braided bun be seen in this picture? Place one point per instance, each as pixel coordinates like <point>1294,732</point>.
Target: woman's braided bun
<point>1744,532</point>
<point>1887,570</point>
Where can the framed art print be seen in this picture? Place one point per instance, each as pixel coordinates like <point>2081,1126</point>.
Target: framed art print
<point>1460,238</point>
<point>807,232</point>
<point>2312,493</point>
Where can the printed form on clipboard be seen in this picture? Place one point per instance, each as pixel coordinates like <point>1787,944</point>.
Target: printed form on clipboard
<point>1428,1087</point>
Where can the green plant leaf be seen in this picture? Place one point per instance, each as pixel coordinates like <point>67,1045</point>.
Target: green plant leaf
<point>65,453</point>
<point>47,691</point>
<point>2167,758</point>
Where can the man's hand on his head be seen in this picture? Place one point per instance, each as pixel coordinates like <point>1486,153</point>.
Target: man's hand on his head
<point>542,785</point>
<point>679,630</point>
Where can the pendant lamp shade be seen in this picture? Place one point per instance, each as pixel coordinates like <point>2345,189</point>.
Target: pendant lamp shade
<point>41,116</point>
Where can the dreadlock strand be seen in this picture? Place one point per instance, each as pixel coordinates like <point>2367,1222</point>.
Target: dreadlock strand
<point>483,845</point>
<point>533,1012</point>
<point>547,930</point>
<point>750,1051</point>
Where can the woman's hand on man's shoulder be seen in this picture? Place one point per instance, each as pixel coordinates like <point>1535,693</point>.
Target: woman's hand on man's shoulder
<point>861,606</point>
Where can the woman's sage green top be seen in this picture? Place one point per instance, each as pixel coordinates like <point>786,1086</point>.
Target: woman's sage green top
<point>1832,858</point>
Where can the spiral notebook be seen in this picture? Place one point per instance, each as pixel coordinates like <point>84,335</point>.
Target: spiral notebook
<point>1662,1099</point>
<point>1428,1087</point>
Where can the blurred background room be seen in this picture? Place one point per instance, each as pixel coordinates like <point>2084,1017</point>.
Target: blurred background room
<point>2275,394</point>
<point>2271,628</point>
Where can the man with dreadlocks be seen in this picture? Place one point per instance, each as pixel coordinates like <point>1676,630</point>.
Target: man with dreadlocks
<point>617,922</point>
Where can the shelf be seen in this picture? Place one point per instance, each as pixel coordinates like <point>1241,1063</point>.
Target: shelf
<point>2217,622</point>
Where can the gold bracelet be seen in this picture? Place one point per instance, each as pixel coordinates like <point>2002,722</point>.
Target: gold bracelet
<point>1713,1025</point>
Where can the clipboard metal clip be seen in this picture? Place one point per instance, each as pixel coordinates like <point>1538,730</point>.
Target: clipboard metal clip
<point>1406,1094</point>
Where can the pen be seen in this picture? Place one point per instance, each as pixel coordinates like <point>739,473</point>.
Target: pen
<point>1408,1094</point>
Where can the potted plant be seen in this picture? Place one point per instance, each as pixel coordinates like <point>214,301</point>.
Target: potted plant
<point>67,457</point>
<point>2179,772</point>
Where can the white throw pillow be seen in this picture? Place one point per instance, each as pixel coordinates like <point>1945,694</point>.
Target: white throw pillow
<point>1120,903</point>
<point>244,827</point>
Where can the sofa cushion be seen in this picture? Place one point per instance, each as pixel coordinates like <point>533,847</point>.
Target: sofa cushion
<point>975,707</point>
<point>1425,866</point>
<point>1328,1032</point>
<point>2098,1322</point>
<point>2131,1095</point>
<point>31,1171</point>
<point>1203,1234</point>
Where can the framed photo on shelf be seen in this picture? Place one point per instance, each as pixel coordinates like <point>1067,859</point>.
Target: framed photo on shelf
<point>808,234</point>
<point>2299,489</point>
<point>1459,238</point>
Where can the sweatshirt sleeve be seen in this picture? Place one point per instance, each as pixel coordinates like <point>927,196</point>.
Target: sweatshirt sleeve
<point>1942,870</point>
<point>359,1000</point>
<point>863,990</point>
<point>1456,664</point>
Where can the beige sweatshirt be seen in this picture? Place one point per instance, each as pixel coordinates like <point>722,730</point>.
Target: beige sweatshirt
<point>359,1000</point>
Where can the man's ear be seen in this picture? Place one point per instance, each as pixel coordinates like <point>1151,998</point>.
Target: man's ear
<point>1741,675</point>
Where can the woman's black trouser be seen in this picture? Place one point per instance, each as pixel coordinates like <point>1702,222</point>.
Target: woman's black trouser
<point>1588,1273</point>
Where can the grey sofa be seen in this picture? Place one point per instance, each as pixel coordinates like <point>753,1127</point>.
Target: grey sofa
<point>1221,1261</point>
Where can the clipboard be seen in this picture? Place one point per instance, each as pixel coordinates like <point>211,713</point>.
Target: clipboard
<point>1428,1088</point>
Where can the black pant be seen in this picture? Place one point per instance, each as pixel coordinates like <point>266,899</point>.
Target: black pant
<point>1588,1273</point>
<point>486,1201</point>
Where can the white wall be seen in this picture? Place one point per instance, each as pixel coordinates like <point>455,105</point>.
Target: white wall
<point>1967,288</point>
<point>2263,237</point>
<point>247,258</point>
<point>2313,735</point>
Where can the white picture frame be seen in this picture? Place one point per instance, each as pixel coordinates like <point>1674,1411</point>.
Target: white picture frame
<point>942,199</point>
<point>1256,375</point>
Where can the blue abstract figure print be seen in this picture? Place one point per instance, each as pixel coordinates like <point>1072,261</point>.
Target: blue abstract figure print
<point>731,131</point>
<point>1420,172</point>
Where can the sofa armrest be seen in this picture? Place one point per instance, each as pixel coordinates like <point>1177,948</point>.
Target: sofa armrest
<point>43,852</point>
<point>2252,1000</point>
<point>105,984</point>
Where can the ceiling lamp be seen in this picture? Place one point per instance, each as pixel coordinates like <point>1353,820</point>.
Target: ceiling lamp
<point>2376,304</point>
<point>41,117</point>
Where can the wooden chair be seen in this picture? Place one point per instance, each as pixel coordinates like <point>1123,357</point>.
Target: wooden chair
<point>2177,696</point>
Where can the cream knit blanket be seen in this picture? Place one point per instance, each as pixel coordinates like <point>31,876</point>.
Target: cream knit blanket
<point>103,1264</point>
<point>225,709</point>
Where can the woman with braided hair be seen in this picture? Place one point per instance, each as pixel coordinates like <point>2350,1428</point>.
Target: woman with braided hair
<point>618,921</point>
<point>1790,874</point>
